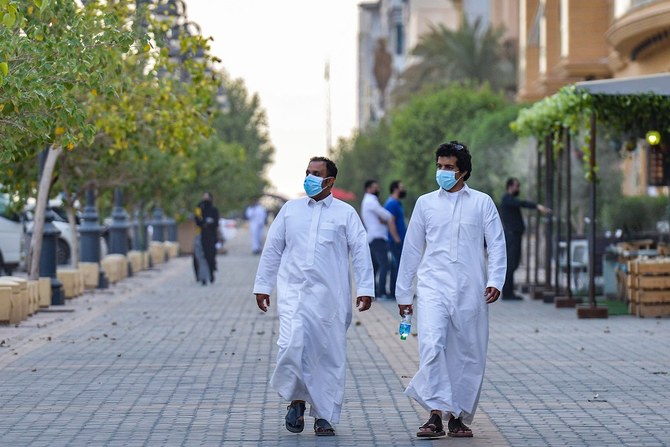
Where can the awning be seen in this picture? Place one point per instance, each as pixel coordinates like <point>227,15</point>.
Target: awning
<point>658,84</point>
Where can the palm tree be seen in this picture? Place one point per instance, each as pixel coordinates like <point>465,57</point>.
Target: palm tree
<point>467,55</point>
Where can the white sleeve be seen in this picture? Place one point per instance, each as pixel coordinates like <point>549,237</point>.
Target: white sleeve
<point>495,247</point>
<point>412,252</point>
<point>266,275</point>
<point>361,260</point>
<point>381,212</point>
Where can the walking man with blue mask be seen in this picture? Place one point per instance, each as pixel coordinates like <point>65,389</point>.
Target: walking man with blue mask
<point>306,255</point>
<point>455,247</point>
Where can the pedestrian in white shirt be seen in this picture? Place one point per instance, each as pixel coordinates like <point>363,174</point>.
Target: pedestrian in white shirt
<point>379,222</point>
<point>306,255</point>
<point>444,249</point>
<point>257,215</point>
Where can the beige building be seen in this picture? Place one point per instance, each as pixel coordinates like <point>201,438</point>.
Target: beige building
<point>566,41</point>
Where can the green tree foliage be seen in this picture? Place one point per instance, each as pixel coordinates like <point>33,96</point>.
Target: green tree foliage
<point>469,54</point>
<point>364,156</point>
<point>431,119</point>
<point>493,147</point>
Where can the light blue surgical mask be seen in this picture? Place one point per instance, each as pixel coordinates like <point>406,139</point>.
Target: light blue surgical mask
<point>446,179</point>
<point>312,185</point>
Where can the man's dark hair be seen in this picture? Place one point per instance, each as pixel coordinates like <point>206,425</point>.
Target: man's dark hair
<point>511,181</point>
<point>369,183</point>
<point>331,169</point>
<point>458,150</point>
<point>395,184</point>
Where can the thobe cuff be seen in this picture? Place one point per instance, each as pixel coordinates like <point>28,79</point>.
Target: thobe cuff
<point>404,299</point>
<point>260,288</point>
<point>497,286</point>
<point>365,292</point>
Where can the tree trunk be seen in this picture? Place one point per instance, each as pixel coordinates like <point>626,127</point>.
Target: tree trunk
<point>69,208</point>
<point>40,208</point>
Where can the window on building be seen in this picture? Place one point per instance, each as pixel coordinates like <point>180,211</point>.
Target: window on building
<point>399,39</point>
<point>659,165</point>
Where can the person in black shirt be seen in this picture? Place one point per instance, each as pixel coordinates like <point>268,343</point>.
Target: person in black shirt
<point>510,214</point>
<point>207,220</point>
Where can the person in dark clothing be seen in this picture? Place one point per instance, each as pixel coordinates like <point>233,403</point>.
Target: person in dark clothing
<point>510,214</point>
<point>207,220</point>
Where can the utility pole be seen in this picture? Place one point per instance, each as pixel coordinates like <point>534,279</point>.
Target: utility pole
<point>329,137</point>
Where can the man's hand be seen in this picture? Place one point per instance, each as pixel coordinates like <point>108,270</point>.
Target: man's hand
<point>491,294</point>
<point>543,209</point>
<point>402,307</point>
<point>263,301</point>
<point>363,303</point>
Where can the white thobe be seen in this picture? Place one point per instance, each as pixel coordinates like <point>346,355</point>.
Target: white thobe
<point>444,249</point>
<point>307,254</point>
<point>257,216</point>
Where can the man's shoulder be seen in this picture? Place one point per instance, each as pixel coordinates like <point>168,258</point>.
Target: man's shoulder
<point>344,206</point>
<point>477,194</point>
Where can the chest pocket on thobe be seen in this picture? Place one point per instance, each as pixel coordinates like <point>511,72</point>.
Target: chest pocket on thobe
<point>470,231</point>
<point>329,233</point>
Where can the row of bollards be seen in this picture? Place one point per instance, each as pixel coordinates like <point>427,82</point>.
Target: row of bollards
<point>91,232</point>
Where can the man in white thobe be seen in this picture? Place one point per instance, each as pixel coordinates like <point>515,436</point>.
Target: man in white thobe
<point>444,249</point>
<point>307,254</point>
<point>257,215</point>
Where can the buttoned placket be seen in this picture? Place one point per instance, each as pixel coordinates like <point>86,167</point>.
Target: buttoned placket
<point>313,231</point>
<point>455,222</point>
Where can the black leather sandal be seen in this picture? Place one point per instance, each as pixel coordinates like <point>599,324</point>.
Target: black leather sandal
<point>432,429</point>
<point>457,429</point>
<point>323,428</point>
<point>295,417</point>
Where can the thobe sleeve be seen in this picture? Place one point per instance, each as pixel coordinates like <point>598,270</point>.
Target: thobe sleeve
<point>495,246</point>
<point>266,276</point>
<point>357,242</point>
<point>412,252</point>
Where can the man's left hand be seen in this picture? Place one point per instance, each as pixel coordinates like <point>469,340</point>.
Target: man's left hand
<point>491,294</point>
<point>363,303</point>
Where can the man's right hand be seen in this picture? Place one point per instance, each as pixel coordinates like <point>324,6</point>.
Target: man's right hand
<point>263,301</point>
<point>402,307</point>
<point>543,209</point>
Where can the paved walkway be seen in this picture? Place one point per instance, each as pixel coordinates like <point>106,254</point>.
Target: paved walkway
<point>161,360</point>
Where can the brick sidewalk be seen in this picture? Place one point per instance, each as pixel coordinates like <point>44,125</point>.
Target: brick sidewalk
<point>161,360</point>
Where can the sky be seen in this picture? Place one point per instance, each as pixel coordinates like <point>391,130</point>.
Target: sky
<point>279,49</point>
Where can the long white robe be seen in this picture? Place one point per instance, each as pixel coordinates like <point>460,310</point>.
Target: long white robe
<point>452,275</point>
<point>307,254</point>
<point>257,216</point>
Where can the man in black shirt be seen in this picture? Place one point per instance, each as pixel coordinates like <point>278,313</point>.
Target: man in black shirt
<point>510,214</point>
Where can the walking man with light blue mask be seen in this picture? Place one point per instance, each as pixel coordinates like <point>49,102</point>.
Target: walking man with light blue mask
<point>306,256</point>
<point>455,247</point>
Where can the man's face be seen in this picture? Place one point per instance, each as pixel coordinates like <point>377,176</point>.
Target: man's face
<point>515,188</point>
<point>447,163</point>
<point>319,169</point>
<point>206,197</point>
<point>374,189</point>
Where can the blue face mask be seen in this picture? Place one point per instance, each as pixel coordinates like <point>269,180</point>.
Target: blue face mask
<point>446,179</point>
<point>312,185</point>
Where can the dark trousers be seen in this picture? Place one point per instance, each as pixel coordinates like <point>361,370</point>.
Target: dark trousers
<point>513,243</point>
<point>395,249</point>
<point>380,264</point>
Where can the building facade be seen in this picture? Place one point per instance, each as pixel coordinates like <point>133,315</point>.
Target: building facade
<point>565,41</point>
<point>388,31</point>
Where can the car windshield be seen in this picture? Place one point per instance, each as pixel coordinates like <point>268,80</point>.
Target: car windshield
<point>6,210</point>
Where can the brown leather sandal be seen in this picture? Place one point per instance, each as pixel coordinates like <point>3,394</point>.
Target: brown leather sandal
<point>432,429</point>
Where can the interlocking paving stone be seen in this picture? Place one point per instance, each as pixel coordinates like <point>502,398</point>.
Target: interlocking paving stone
<point>161,360</point>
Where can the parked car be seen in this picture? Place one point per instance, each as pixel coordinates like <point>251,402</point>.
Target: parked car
<point>11,237</point>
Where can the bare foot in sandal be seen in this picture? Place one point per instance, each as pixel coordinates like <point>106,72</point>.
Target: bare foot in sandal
<point>457,429</point>
<point>433,428</point>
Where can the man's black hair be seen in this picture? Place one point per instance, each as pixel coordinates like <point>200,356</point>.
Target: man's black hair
<point>458,150</point>
<point>331,168</point>
<point>369,183</point>
<point>395,184</point>
<point>511,181</point>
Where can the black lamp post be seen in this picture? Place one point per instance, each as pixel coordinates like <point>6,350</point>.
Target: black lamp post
<point>90,231</point>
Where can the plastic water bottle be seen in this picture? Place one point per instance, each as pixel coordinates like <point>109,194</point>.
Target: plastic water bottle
<point>405,325</point>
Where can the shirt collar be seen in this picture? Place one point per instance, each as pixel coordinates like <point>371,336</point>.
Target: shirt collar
<point>465,190</point>
<point>326,202</point>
